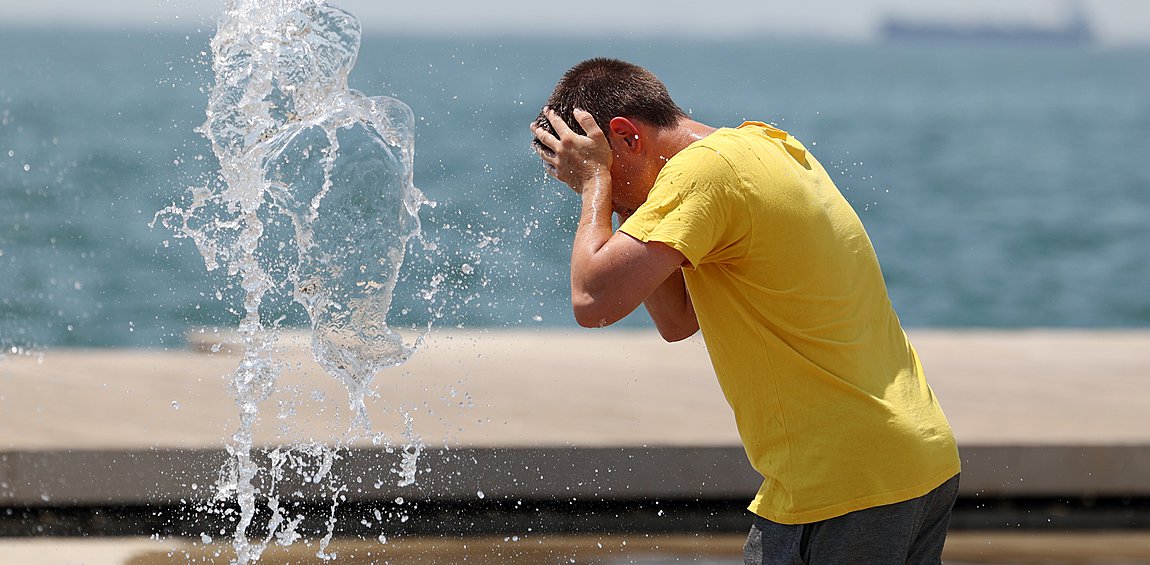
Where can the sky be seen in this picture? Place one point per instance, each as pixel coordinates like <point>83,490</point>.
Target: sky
<point>1117,22</point>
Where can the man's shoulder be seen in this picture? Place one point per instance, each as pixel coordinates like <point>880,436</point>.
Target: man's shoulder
<point>706,157</point>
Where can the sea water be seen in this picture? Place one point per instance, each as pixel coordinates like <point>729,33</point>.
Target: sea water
<point>315,201</point>
<point>1001,185</point>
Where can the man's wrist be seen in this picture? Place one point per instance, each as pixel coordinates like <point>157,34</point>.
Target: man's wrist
<point>596,180</point>
<point>596,194</point>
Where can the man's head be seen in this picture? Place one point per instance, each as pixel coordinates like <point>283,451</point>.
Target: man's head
<point>629,105</point>
<point>608,88</point>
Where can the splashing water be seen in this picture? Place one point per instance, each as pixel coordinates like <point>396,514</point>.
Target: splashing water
<point>314,201</point>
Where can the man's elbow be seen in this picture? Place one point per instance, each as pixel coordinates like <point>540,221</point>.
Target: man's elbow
<point>591,313</point>
<point>590,318</point>
<point>590,322</point>
<point>678,333</point>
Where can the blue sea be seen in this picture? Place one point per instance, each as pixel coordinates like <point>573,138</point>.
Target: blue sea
<point>1004,187</point>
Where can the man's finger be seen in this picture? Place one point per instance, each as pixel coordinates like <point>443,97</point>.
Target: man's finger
<point>543,150</point>
<point>545,153</point>
<point>545,138</point>
<point>560,126</point>
<point>585,119</point>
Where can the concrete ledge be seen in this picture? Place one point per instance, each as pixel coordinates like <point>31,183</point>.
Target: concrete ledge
<point>592,428</point>
<point>498,389</point>
<point>1056,471</point>
<point>175,476</point>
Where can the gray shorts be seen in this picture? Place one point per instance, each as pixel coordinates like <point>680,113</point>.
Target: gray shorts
<point>911,532</point>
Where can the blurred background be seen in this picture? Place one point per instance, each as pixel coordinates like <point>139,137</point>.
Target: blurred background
<point>995,151</point>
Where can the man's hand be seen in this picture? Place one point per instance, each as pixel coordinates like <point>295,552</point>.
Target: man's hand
<point>611,273</point>
<point>577,160</point>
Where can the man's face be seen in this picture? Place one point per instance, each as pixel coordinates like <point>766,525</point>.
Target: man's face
<point>631,178</point>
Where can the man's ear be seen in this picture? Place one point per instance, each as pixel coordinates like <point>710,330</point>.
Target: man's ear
<point>627,131</point>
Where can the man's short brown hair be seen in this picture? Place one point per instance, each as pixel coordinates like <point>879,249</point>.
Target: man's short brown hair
<point>608,88</point>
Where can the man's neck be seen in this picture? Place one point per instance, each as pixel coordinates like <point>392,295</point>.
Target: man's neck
<point>670,141</point>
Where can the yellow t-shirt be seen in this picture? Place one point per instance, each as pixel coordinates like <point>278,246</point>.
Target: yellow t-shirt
<point>827,391</point>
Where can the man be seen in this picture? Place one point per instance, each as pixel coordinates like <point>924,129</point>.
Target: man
<point>741,232</point>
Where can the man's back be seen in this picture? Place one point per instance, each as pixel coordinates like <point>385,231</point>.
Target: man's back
<point>828,394</point>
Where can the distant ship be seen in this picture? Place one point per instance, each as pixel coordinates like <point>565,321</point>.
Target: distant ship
<point>1075,31</point>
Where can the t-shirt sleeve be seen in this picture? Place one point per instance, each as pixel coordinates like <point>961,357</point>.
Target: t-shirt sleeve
<point>692,207</point>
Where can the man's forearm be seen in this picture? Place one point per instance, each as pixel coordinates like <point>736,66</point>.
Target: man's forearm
<point>593,232</point>
<point>671,309</point>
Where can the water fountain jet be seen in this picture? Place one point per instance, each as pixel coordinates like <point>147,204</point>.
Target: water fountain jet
<point>315,202</point>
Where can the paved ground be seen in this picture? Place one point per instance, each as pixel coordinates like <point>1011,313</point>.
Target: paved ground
<point>1105,548</point>
<point>1037,413</point>
<point>1069,408</point>
<point>547,388</point>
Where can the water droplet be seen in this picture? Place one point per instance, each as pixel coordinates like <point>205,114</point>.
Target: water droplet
<point>27,167</point>
<point>480,494</point>
<point>176,404</point>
